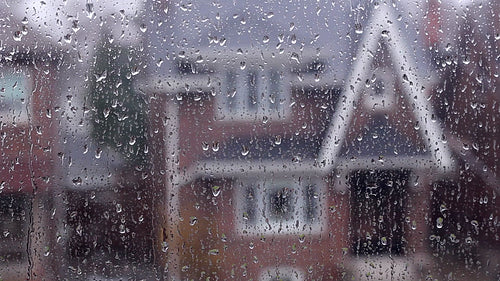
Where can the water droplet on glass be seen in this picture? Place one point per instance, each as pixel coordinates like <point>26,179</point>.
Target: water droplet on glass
<point>77,181</point>
<point>439,222</point>
<point>277,140</point>
<point>244,150</point>
<point>294,56</point>
<point>383,241</point>
<point>90,10</point>
<point>358,28</point>
<point>18,36</point>
<point>215,146</point>
<point>205,146</point>
<point>216,190</point>
<point>302,238</point>
<point>164,246</point>
<point>98,153</point>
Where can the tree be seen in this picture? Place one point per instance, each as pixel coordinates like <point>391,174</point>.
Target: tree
<point>118,112</point>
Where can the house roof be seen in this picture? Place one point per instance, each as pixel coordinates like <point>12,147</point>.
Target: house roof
<point>331,148</point>
<point>332,29</point>
<point>383,27</point>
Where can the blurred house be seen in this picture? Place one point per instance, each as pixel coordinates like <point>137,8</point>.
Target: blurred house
<point>28,104</point>
<point>67,201</point>
<point>301,148</point>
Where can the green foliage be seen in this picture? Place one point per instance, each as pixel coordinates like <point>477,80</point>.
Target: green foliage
<point>119,118</point>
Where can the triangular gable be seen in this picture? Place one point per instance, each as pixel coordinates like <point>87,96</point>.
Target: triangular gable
<point>382,29</point>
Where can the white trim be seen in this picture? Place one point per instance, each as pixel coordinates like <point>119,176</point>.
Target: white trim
<point>236,168</point>
<point>171,179</point>
<point>384,21</point>
<point>270,273</point>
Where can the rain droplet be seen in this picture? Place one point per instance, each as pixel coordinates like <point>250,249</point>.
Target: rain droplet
<point>213,252</point>
<point>383,241</point>
<point>302,238</point>
<point>98,153</point>
<point>18,36</point>
<point>295,57</point>
<point>215,146</point>
<point>164,246</point>
<point>358,28</point>
<point>216,190</point>
<point>296,159</point>
<point>439,222</point>
<point>466,60</point>
<point>67,38</point>
<point>277,140</point>
<point>90,10</point>
<point>205,146</point>
<point>77,181</point>
<point>244,150</point>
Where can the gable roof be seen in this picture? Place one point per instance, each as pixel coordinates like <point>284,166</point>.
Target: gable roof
<point>383,27</point>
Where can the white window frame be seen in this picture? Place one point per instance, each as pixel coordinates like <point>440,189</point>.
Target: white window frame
<point>261,221</point>
<point>233,103</point>
<point>291,273</point>
<point>12,109</point>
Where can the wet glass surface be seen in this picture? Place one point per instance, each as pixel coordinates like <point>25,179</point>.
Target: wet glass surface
<point>245,140</point>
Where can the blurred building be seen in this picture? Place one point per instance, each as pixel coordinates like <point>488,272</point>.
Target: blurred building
<point>308,143</point>
<point>28,106</point>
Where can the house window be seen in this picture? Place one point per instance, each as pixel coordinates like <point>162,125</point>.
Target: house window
<point>282,274</point>
<point>251,93</point>
<point>15,87</point>
<point>14,227</point>
<point>381,90</point>
<point>278,206</point>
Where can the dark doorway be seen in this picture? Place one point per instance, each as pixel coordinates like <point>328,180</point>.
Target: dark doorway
<point>378,200</point>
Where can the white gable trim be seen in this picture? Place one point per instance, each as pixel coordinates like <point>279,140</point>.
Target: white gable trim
<point>382,26</point>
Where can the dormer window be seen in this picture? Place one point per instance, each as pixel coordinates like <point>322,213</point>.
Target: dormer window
<point>381,89</point>
<point>248,93</point>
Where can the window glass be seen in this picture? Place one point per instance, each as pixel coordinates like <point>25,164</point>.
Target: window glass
<point>249,140</point>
